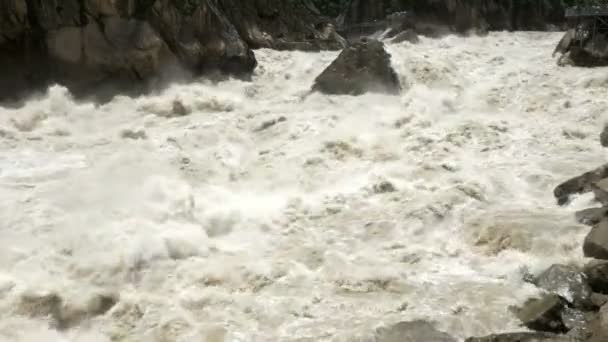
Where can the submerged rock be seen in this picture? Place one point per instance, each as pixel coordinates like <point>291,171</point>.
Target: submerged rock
<point>568,282</point>
<point>596,242</point>
<point>542,314</point>
<point>522,337</point>
<point>579,185</point>
<point>363,67</point>
<point>415,331</point>
<point>65,315</point>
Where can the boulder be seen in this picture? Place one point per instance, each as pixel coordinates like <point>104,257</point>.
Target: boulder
<point>363,67</point>
<point>597,275</point>
<point>542,314</point>
<point>567,282</point>
<point>604,136</point>
<point>406,36</point>
<point>522,337</point>
<point>579,185</point>
<point>596,242</point>
<point>415,331</point>
<point>600,190</point>
<point>591,216</point>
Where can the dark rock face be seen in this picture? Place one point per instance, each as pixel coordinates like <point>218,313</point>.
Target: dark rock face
<point>604,136</point>
<point>124,45</point>
<point>464,15</point>
<point>596,243</point>
<point>597,275</point>
<point>580,184</point>
<point>521,337</point>
<point>363,67</point>
<point>416,331</point>
<point>568,282</point>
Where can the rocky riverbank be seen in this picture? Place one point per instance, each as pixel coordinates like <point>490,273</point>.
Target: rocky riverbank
<point>94,47</point>
<point>437,17</point>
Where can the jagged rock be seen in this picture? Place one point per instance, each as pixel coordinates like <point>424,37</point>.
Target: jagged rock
<point>406,36</point>
<point>577,322</point>
<point>522,337</point>
<point>604,136</point>
<point>580,184</point>
<point>542,314</point>
<point>568,282</point>
<point>415,331</point>
<point>600,190</point>
<point>596,242</point>
<point>363,67</point>
<point>597,275</point>
<point>591,216</point>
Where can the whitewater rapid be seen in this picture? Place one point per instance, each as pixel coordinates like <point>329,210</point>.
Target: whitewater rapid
<point>212,227</point>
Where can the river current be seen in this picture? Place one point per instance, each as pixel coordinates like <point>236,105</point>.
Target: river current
<point>272,214</point>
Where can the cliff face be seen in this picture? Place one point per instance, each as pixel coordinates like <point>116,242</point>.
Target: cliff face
<point>130,45</point>
<point>464,15</point>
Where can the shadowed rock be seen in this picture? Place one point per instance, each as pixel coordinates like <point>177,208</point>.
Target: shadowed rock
<point>542,314</point>
<point>579,185</point>
<point>363,67</point>
<point>597,275</point>
<point>596,242</point>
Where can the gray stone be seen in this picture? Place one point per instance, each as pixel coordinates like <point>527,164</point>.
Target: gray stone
<point>591,216</point>
<point>596,242</point>
<point>600,190</point>
<point>415,331</point>
<point>363,67</point>
<point>542,314</point>
<point>567,282</point>
<point>597,275</point>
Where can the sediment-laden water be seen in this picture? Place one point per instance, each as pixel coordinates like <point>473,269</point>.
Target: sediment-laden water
<point>268,214</point>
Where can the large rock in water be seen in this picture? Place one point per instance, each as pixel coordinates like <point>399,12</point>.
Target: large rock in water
<point>363,67</point>
<point>125,45</point>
